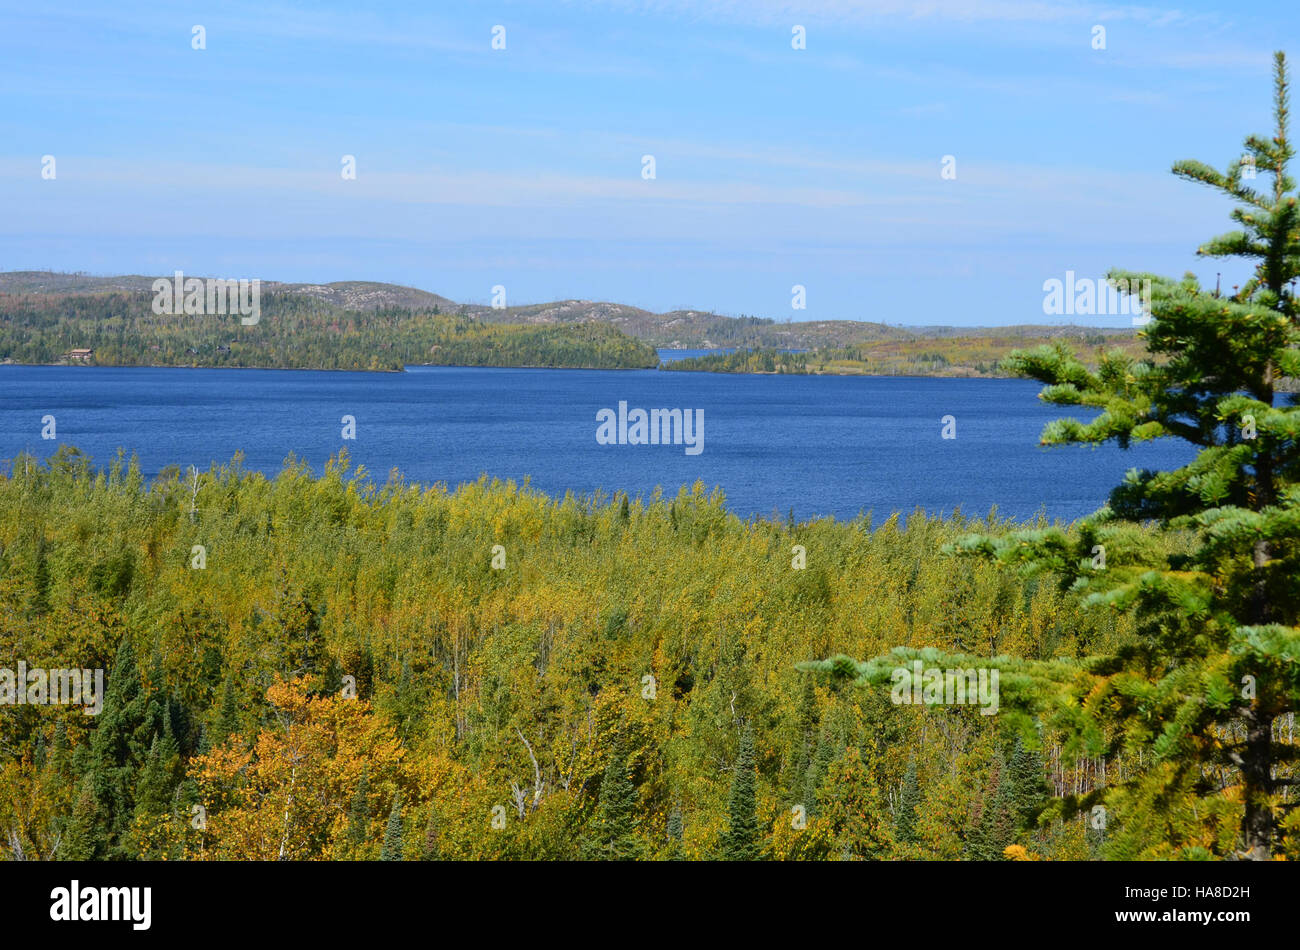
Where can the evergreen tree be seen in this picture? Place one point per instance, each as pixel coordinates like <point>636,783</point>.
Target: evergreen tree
<point>676,833</point>
<point>994,826</point>
<point>59,759</point>
<point>77,840</point>
<point>1212,666</point>
<point>118,748</point>
<point>817,768</point>
<point>741,842</point>
<point>806,739</point>
<point>908,800</point>
<point>392,847</point>
<point>615,837</point>
<point>851,806</point>
<point>156,783</point>
<point>228,718</point>
<point>1028,783</point>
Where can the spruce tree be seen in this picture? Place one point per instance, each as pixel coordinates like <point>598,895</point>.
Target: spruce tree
<point>817,767</point>
<point>851,806</point>
<point>676,833</point>
<point>615,837</point>
<point>156,784</point>
<point>1214,593</point>
<point>740,842</point>
<point>117,750</point>
<point>59,761</point>
<point>908,800</point>
<point>39,752</point>
<point>806,739</point>
<point>1028,784</point>
<point>228,716</point>
<point>392,847</point>
<point>77,837</point>
<point>994,827</point>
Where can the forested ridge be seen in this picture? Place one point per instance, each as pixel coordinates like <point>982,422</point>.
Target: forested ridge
<point>516,694</point>
<point>295,331</point>
<point>373,326</point>
<point>987,355</point>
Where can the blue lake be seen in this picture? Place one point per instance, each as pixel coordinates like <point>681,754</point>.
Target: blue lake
<point>820,445</point>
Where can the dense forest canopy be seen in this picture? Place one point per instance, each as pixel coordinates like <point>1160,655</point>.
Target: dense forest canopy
<point>295,331</point>
<point>587,696</point>
<point>950,354</point>
<point>45,317</point>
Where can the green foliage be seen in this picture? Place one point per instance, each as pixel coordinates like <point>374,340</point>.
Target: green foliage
<point>118,750</point>
<point>359,812</point>
<point>478,689</point>
<point>908,800</point>
<point>392,848</point>
<point>1203,691</point>
<point>940,351</point>
<point>616,822</point>
<point>676,833</point>
<point>741,841</point>
<point>299,332</point>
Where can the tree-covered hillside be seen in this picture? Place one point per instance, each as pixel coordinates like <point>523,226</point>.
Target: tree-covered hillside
<point>949,354</point>
<point>296,330</point>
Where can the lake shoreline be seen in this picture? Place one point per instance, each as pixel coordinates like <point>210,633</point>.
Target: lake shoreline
<point>824,447</point>
<point>603,369</point>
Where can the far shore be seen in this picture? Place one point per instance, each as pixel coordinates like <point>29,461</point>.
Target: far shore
<point>662,367</point>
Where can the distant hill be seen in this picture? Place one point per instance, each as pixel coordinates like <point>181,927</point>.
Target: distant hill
<point>322,313</point>
<point>978,354</point>
<point>344,294</point>
<point>60,318</point>
<point>695,329</point>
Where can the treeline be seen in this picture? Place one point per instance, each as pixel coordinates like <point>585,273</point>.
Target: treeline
<point>743,361</point>
<point>975,355</point>
<point>945,357</point>
<point>558,346</point>
<point>294,331</point>
<point>306,667</point>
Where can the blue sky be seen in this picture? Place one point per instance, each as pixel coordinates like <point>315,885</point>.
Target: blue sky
<point>523,167</point>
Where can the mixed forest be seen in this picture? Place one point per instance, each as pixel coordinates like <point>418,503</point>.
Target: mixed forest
<point>971,354</point>
<point>351,325</point>
<point>347,675</point>
<point>295,331</point>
